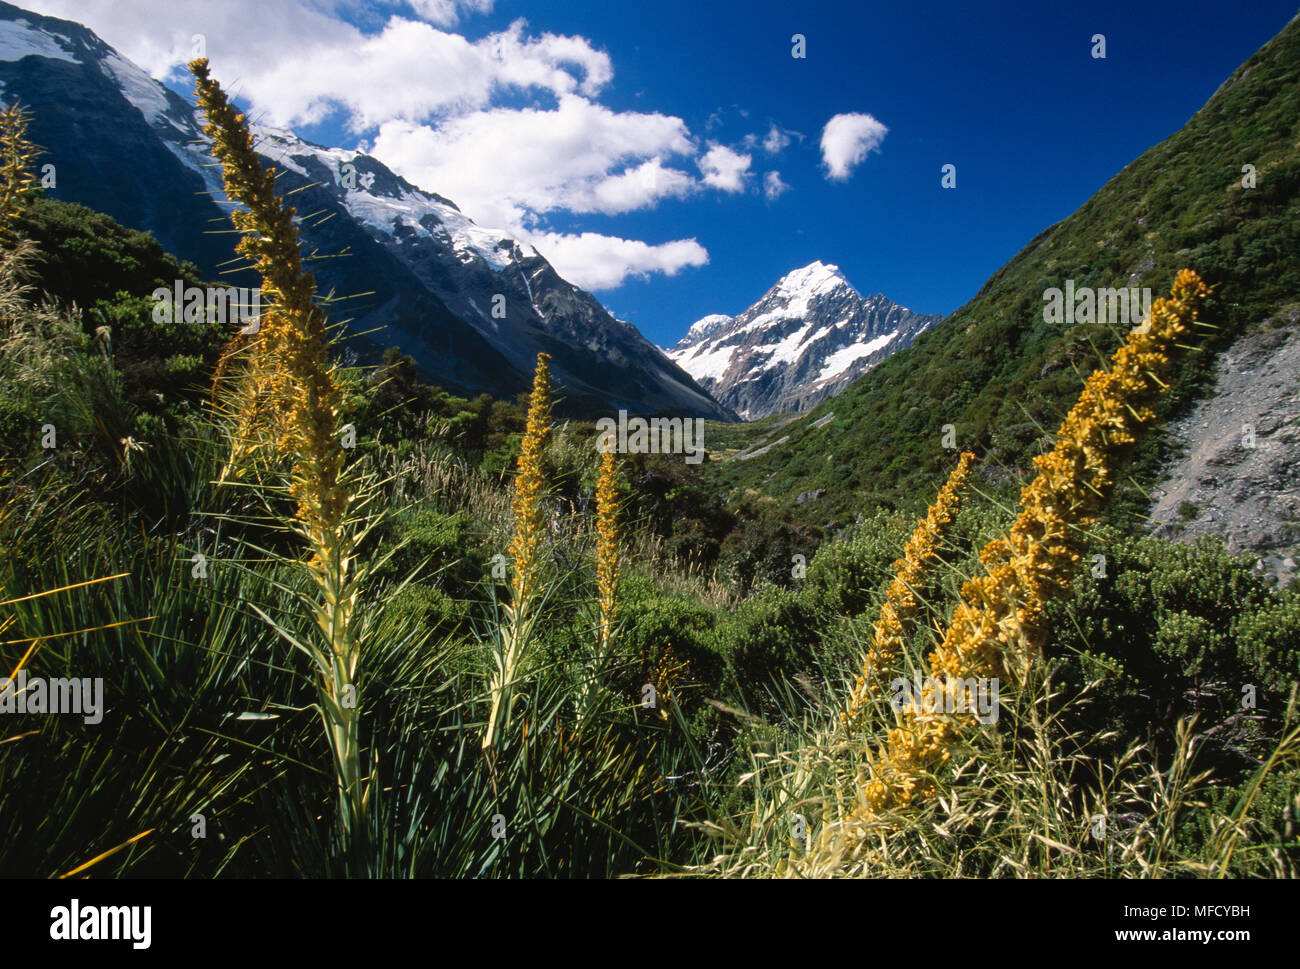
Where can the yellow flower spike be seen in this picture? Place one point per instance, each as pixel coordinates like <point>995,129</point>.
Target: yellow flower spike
<point>530,484</point>
<point>607,564</point>
<point>998,628</point>
<point>525,554</point>
<point>901,605</point>
<point>17,179</point>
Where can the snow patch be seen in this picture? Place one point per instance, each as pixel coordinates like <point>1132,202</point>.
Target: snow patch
<point>704,364</point>
<point>386,213</point>
<point>19,39</point>
<point>197,159</point>
<point>136,86</point>
<point>468,240</point>
<point>787,351</point>
<point>843,358</point>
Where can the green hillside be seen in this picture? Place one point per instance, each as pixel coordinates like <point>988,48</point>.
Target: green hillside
<point>1002,376</point>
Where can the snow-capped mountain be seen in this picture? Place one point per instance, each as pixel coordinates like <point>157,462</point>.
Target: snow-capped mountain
<point>473,306</point>
<point>809,337</point>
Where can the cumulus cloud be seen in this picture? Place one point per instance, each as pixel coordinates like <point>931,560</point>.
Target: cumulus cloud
<point>846,141</point>
<point>413,71</point>
<point>300,64</point>
<point>773,187</point>
<point>725,169</point>
<point>504,163</point>
<point>638,188</point>
<point>427,102</point>
<point>597,262</point>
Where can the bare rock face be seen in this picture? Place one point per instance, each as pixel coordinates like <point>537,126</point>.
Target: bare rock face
<point>1239,476</point>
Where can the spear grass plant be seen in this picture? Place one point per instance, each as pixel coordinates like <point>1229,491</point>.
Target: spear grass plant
<point>607,550</point>
<point>998,628</point>
<point>1027,800</point>
<point>1009,801</point>
<point>290,389</point>
<point>515,633</point>
<point>601,649</point>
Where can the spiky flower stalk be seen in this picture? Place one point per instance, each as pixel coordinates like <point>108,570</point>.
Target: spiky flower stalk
<point>607,544</point>
<point>17,179</point>
<point>290,363</point>
<point>525,553</point>
<point>998,628</point>
<point>530,484</point>
<point>902,602</point>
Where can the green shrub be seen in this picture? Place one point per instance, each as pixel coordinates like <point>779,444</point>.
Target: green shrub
<point>850,574</point>
<point>1268,641</point>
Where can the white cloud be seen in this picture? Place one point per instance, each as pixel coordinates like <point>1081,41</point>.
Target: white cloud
<point>724,169</point>
<point>504,163</point>
<point>773,187</point>
<point>507,167</point>
<point>846,141</point>
<point>426,101</point>
<point>640,187</point>
<point>775,141</point>
<point>297,64</point>
<point>414,72</point>
<point>596,262</point>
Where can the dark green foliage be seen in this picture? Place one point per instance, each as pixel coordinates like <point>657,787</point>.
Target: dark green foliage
<point>848,574</point>
<point>1268,641</point>
<point>679,507</point>
<point>763,552</point>
<point>87,257</point>
<point>768,639</point>
<point>398,406</point>
<point>1176,629</point>
<point>89,261</point>
<point>656,622</point>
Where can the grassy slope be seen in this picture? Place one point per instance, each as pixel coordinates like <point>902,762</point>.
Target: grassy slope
<point>1003,376</point>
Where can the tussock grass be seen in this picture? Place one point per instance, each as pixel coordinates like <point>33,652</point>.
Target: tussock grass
<point>1027,800</point>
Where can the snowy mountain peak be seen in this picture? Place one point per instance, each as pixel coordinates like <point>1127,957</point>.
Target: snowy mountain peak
<point>706,325</point>
<point>813,279</point>
<point>809,337</point>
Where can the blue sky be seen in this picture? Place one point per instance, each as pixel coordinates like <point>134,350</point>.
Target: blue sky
<point>630,141</point>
